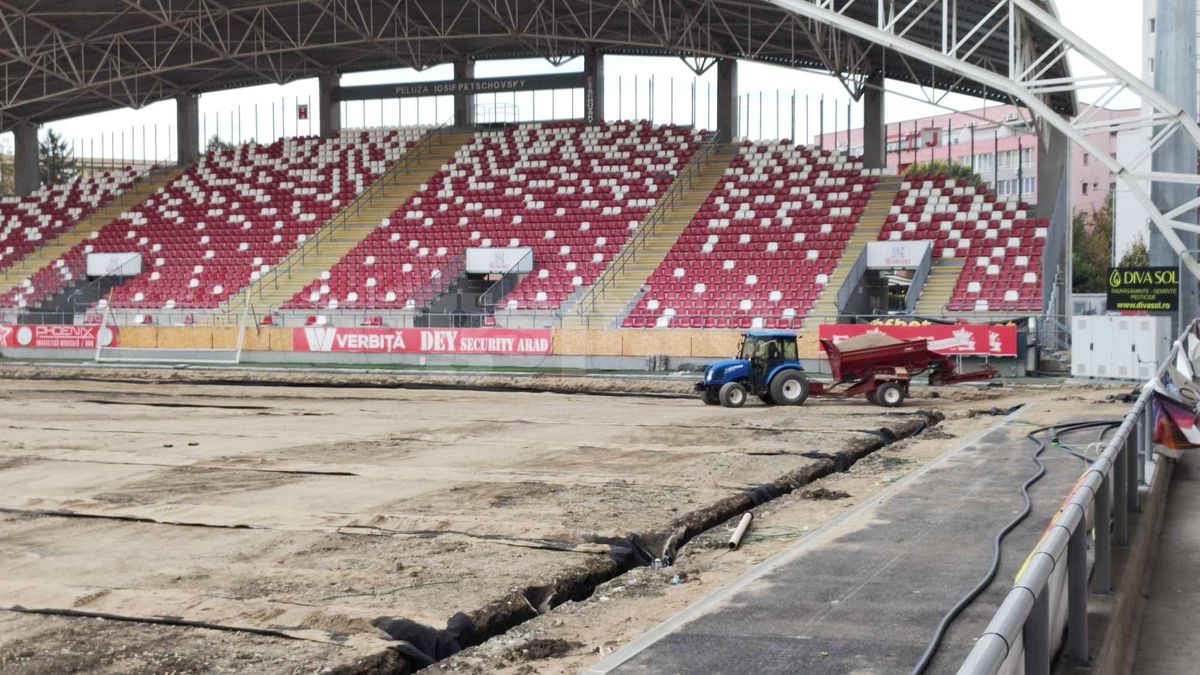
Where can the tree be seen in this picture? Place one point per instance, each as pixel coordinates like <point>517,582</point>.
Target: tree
<point>7,169</point>
<point>1091,239</point>
<point>215,144</point>
<point>954,170</point>
<point>1136,254</point>
<point>56,159</point>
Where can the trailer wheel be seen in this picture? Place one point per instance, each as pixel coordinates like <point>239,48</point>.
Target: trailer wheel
<point>789,388</point>
<point>889,395</point>
<point>710,396</point>
<point>732,395</point>
<point>870,396</point>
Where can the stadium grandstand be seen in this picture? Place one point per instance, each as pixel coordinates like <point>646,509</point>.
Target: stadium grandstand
<point>489,237</point>
<point>607,223</point>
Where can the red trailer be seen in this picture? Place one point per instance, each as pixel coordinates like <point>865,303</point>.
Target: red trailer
<point>882,372</point>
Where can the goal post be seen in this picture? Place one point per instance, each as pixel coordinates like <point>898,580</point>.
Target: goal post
<point>183,355</point>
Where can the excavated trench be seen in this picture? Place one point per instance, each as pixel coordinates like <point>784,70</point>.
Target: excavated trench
<point>427,645</point>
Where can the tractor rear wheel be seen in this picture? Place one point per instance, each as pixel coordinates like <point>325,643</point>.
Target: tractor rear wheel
<point>789,388</point>
<point>889,395</point>
<point>732,395</point>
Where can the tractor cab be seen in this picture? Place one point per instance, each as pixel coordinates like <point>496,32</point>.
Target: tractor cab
<point>767,366</point>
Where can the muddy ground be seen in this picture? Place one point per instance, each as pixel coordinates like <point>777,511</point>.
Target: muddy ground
<point>298,515</point>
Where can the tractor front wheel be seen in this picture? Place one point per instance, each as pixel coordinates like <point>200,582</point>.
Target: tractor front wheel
<point>710,396</point>
<point>789,388</point>
<point>732,395</point>
<point>889,395</point>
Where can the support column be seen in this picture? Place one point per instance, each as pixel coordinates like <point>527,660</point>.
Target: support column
<point>593,92</point>
<point>1053,155</point>
<point>26,178</point>
<point>464,104</point>
<point>329,109</point>
<point>874,131</point>
<point>727,92</point>
<point>1175,77</point>
<point>1053,175</point>
<point>187,128</point>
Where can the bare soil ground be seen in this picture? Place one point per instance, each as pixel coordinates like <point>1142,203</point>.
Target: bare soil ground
<point>309,512</point>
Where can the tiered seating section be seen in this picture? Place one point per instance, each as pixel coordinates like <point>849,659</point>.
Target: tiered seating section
<point>28,222</point>
<point>573,193</point>
<point>232,216</point>
<point>1001,246</point>
<point>762,246</point>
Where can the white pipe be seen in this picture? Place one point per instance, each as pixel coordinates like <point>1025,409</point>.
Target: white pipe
<point>740,531</point>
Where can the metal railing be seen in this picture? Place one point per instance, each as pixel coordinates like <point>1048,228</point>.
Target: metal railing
<point>490,298</point>
<point>312,245</point>
<point>918,281</point>
<point>853,278</point>
<point>437,284</point>
<point>8,279</point>
<point>638,241</point>
<point>1109,487</point>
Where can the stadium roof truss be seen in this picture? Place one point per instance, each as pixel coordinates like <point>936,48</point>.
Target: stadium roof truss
<point>1037,43</point>
<point>61,58</point>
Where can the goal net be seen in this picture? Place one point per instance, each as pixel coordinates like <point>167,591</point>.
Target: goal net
<point>216,348</point>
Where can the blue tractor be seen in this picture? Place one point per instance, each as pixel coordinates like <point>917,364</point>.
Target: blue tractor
<point>768,366</point>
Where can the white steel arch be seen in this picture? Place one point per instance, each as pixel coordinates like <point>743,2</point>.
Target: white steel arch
<point>1028,84</point>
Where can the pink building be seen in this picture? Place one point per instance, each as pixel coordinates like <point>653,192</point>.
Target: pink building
<point>999,143</point>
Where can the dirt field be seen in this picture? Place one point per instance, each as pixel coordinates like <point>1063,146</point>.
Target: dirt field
<point>292,518</point>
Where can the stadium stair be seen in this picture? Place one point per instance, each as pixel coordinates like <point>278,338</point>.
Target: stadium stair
<point>625,284</point>
<point>939,287</point>
<point>46,255</point>
<point>345,231</point>
<point>869,226</point>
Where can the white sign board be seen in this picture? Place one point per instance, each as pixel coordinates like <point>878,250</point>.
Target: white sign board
<point>499,260</point>
<point>893,254</point>
<point>120,264</point>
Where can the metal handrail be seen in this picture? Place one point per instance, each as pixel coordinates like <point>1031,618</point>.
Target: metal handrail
<point>918,281</point>
<point>312,245</point>
<point>6,274</point>
<point>486,298</point>
<point>1110,485</point>
<point>637,242</point>
<point>852,280</point>
<point>430,290</point>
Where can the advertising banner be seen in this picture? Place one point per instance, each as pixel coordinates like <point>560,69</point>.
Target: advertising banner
<point>892,254</point>
<point>500,260</point>
<point>468,341</point>
<point>484,85</point>
<point>961,339</point>
<point>120,264</point>
<point>56,337</point>
<point>1143,289</point>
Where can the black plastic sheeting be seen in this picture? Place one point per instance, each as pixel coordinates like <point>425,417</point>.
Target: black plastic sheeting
<point>424,645</point>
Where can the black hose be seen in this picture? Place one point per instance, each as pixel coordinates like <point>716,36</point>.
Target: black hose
<point>940,632</point>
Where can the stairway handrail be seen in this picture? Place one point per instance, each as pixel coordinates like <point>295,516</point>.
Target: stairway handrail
<point>629,252</point>
<point>6,274</point>
<point>486,300</point>
<point>312,245</point>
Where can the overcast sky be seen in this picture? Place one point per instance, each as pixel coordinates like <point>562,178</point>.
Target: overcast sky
<point>1114,25</point>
